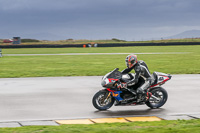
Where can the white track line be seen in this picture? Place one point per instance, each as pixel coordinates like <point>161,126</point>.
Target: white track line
<point>93,54</point>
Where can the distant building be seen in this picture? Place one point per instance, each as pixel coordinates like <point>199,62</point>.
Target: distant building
<point>16,40</point>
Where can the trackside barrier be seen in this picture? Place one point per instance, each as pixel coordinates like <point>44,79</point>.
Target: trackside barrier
<point>99,45</point>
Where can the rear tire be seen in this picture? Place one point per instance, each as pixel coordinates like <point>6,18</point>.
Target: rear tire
<point>161,98</point>
<point>99,100</point>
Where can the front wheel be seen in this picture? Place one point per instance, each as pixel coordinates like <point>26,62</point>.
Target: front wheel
<point>158,98</point>
<point>103,100</point>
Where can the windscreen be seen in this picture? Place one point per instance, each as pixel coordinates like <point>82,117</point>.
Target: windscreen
<point>115,74</point>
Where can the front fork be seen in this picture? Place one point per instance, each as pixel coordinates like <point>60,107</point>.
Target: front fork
<point>107,96</point>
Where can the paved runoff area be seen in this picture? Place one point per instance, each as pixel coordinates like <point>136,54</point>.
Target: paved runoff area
<point>98,120</point>
<point>68,100</point>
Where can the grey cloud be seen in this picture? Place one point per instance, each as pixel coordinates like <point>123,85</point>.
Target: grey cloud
<point>80,18</point>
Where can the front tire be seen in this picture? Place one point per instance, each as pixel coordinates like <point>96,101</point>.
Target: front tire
<point>100,102</point>
<point>158,98</point>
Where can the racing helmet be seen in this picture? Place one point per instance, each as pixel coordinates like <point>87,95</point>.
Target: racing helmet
<point>131,60</point>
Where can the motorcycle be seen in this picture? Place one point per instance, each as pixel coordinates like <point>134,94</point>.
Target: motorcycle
<point>155,96</point>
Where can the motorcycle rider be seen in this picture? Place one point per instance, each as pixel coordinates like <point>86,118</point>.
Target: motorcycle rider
<point>141,70</point>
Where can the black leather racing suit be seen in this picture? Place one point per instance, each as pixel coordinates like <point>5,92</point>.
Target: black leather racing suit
<point>141,70</point>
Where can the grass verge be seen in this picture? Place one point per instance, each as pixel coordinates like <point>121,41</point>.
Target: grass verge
<point>134,49</point>
<point>94,65</point>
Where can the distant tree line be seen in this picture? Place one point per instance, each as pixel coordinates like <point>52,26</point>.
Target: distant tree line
<point>118,40</point>
<point>29,40</point>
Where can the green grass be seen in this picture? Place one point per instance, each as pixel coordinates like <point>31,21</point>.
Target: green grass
<point>93,65</point>
<point>134,49</point>
<point>179,126</point>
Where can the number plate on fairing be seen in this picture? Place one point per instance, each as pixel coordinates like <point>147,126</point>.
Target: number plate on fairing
<point>161,79</point>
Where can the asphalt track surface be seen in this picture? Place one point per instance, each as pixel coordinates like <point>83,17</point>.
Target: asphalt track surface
<point>54,98</point>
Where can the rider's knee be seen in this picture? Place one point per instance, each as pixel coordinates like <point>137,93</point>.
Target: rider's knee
<point>140,90</point>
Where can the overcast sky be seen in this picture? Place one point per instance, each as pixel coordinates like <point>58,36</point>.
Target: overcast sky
<point>97,19</point>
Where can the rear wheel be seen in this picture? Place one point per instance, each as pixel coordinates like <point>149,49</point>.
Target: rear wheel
<point>158,98</point>
<point>102,100</point>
